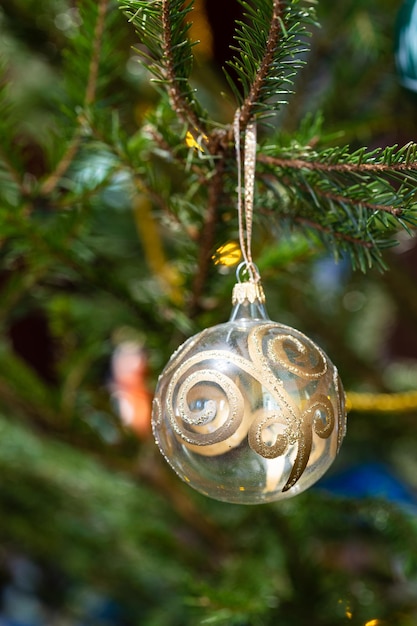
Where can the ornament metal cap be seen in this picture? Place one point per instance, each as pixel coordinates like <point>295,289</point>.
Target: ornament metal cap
<point>248,292</point>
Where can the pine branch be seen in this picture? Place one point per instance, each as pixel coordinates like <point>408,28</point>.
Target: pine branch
<point>163,29</point>
<point>358,197</point>
<point>90,93</point>
<point>328,231</point>
<point>271,45</point>
<point>358,162</point>
<point>372,206</point>
<point>363,246</point>
<point>272,42</point>
<point>67,158</point>
<point>180,103</point>
<point>51,182</point>
<point>352,199</point>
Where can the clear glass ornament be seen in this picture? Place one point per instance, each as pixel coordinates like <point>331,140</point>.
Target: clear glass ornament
<point>249,411</point>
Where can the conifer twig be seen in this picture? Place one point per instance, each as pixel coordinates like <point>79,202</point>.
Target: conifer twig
<point>90,93</point>
<point>372,206</point>
<point>272,42</point>
<point>207,236</point>
<point>53,179</point>
<point>396,212</point>
<point>328,231</point>
<point>179,103</point>
<point>337,167</point>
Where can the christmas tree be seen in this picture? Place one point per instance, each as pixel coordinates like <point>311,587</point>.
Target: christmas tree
<point>120,238</point>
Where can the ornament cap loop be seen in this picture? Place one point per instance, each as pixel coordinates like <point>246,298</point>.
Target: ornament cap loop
<point>247,271</point>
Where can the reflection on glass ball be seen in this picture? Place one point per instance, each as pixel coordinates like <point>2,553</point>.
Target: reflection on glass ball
<point>249,411</point>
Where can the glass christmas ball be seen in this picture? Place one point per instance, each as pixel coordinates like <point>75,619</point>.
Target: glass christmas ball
<point>249,411</point>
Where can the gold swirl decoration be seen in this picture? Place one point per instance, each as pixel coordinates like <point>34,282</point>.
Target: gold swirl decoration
<point>300,356</point>
<point>318,417</point>
<point>301,366</point>
<point>208,406</point>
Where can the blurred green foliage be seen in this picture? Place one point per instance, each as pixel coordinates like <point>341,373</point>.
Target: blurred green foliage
<point>80,493</point>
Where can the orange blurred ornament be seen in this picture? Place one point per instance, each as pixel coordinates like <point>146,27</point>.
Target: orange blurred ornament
<point>129,388</point>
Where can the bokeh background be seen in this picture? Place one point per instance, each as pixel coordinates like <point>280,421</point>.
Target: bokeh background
<point>94,290</point>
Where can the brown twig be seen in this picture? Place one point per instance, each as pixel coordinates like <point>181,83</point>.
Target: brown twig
<point>345,200</point>
<point>90,93</point>
<point>207,236</point>
<point>366,205</point>
<point>324,229</point>
<point>54,177</point>
<point>337,235</point>
<point>336,167</point>
<point>179,103</point>
<point>272,42</point>
<point>225,137</point>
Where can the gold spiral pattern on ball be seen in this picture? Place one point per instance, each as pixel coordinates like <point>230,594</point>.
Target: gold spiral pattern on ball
<point>206,408</point>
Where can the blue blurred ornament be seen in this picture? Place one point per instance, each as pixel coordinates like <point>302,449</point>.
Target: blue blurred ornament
<point>406,45</point>
<point>370,480</point>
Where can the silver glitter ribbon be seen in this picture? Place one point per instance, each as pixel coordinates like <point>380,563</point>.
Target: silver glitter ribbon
<point>245,210</point>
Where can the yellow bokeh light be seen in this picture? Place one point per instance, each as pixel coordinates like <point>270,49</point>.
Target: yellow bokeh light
<point>374,622</point>
<point>229,254</point>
